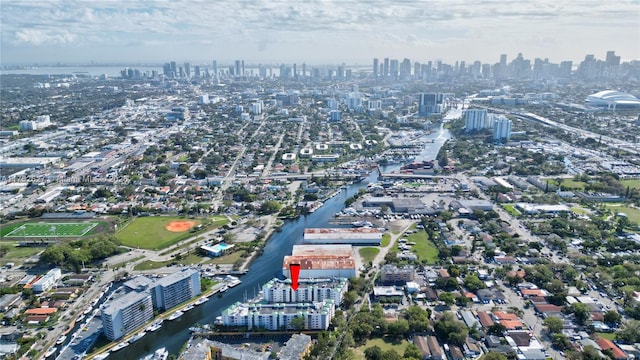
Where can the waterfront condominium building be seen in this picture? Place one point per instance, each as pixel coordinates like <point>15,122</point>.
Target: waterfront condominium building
<point>175,289</point>
<point>125,314</point>
<point>309,290</point>
<point>501,128</point>
<point>476,120</point>
<point>317,316</point>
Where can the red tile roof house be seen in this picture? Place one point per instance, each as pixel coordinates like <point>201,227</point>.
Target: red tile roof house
<point>548,309</point>
<point>606,344</point>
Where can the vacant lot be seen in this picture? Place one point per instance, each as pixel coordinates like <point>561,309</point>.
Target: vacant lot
<point>384,345</point>
<point>368,254</point>
<point>150,233</point>
<point>424,249</point>
<point>18,254</point>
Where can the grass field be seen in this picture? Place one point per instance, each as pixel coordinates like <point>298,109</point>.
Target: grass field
<point>150,233</point>
<point>635,183</point>
<point>18,254</point>
<point>386,238</point>
<point>424,249</point>
<point>185,260</point>
<point>511,209</point>
<point>49,229</point>
<point>633,214</point>
<point>368,254</point>
<point>384,345</point>
<point>608,336</point>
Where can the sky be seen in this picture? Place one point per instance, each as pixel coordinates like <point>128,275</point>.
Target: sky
<point>315,32</point>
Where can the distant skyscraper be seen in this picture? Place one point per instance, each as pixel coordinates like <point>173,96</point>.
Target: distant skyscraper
<point>196,70</point>
<point>385,68</point>
<point>375,67</point>
<point>238,68</point>
<point>242,70</point>
<point>304,70</point>
<point>187,69</point>
<point>215,68</point>
<point>295,71</point>
<point>393,68</point>
<point>612,59</point>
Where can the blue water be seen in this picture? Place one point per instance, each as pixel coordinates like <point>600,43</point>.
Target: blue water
<point>174,334</point>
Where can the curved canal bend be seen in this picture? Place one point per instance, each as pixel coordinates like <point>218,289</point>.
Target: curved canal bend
<point>174,334</point>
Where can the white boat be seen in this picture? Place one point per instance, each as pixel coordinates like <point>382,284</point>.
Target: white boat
<point>61,339</point>
<point>188,308</point>
<point>175,315</point>
<point>201,301</point>
<point>224,288</point>
<point>160,354</point>
<point>137,337</point>
<point>156,325</point>
<point>120,346</point>
<point>50,352</point>
<point>232,281</point>
<point>102,356</point>
<point>87,310</point>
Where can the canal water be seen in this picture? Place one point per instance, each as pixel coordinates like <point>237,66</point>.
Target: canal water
<point>174,334</point>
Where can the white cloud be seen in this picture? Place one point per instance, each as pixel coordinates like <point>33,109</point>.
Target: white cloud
<point>270,26</point>
<point>41,37</point>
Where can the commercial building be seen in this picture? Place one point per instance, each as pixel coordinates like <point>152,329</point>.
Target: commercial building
<point>47,281</point>
<point>309,290</point>
<point>126,314</point>
<point>353,236</point>
<point>297,347</point>
<point>321,262</point>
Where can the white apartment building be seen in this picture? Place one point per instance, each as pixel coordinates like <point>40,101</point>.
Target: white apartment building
<point>477,119</point>
<point>501,128</point>
<point>309,290</point>
<point>317,316</point>
<point>125,314</point>
<point>47,281</point>
<point>175,289</point>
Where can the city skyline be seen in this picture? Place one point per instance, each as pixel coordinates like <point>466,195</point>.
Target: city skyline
<point>313,32</point>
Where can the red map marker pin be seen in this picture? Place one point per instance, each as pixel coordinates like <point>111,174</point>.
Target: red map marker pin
<point>295,274</point>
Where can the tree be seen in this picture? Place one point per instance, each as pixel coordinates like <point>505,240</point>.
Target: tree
<point>412,352</point>
<point>590,353</point>
<point>629,332</point>
<point>449,329</point>
<point>297,323</point>
<point>612,317</point>
<point>492,355</point>
<point>398,329</point>
<point>391,355</point>
<point>473,283</point>
<point>4,249</point>
<point>581,312</point>
<point>560,341</point>
<point>373,353</point>
<point>448,298</point>
<point>554,324</point>
<point>418,319</point>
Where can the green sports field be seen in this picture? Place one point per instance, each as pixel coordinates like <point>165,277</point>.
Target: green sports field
<point>150,233</point>
<point>45,229</point>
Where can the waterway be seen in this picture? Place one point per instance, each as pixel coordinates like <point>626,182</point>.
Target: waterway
<point>174,334</point>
